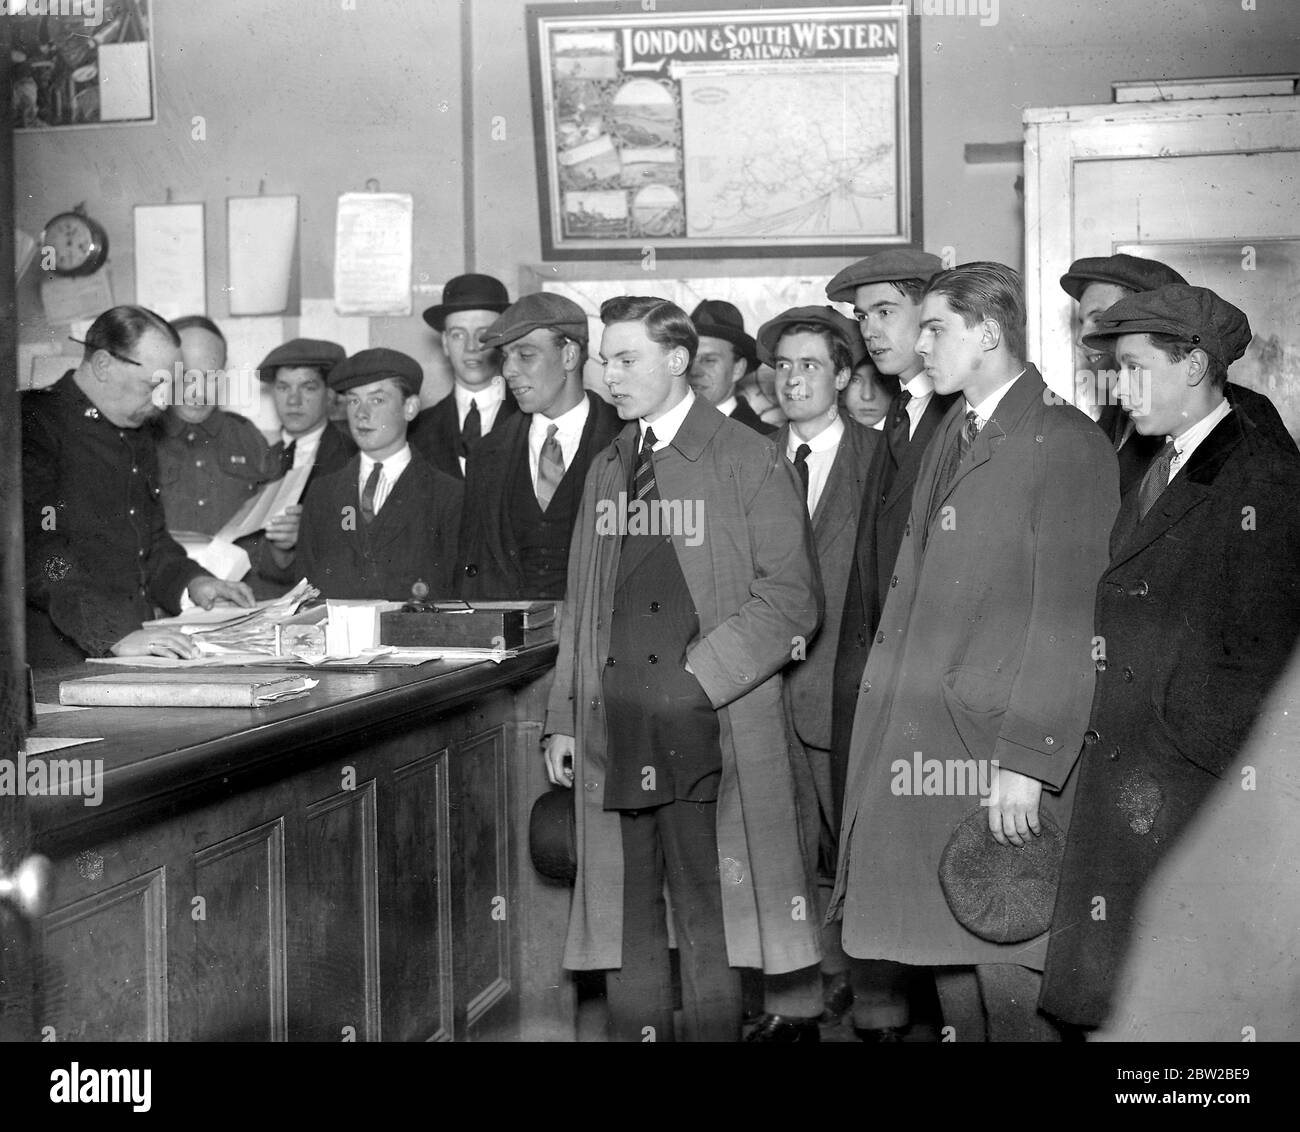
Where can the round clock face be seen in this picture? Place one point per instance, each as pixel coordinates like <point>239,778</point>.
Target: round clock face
<point>78,247</point>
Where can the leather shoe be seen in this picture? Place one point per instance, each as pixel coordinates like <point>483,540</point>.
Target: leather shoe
<point>837,997</point>
<point>782,1028</point>
<point>885,1035</point>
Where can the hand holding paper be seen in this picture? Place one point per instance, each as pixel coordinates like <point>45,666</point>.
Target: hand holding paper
<point>282,530</point>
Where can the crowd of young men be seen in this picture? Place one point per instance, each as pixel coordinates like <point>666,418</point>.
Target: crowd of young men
<point>866,707</point>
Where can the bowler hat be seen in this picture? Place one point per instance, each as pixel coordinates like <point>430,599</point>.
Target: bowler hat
<point>999,892</point>
<point>845,329</point>
<point>1194,314</point>
<point>369,366</point>
<point>302,352</point>
<point>468,293</point>
<point>716,318</point>
<point>1120,269</point>
<point>540,310</point>
<point>552,836</point>
<point>883,267</point>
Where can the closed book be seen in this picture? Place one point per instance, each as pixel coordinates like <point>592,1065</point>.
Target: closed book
<point>460,624</point>
<point>181,689</point>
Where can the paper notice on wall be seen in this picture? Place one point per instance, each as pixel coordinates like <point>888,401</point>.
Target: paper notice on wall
<point>170,266</point>
<point>125,93</point>
<point>372,254</point>
<point>263,243</point>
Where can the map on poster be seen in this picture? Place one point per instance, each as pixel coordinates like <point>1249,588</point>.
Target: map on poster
<point>834,174</point>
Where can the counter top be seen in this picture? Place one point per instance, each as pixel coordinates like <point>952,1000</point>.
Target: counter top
<point>157,759</point>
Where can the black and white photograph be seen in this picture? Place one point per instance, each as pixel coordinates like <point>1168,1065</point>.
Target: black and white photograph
<point>683,521</point>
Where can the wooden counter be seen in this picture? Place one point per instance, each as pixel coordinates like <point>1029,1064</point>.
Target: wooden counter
<point>341,867</point>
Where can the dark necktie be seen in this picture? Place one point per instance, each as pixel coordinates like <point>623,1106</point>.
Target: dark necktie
<point>1156,479</point>
<point>643,479</point>
<point>900,424</point>
<point>286,457</point>
<point>801,466</point>
<point>368,494</point>
<point>550,468</point>
<point>470,431</point>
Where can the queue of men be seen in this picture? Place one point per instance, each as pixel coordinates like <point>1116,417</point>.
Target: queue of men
<point>877,704</point>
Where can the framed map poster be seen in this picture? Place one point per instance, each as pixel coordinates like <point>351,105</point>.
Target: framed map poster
<point>699,131</point>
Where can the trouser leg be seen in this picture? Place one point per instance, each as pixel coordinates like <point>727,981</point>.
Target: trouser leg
<point>961,1004</point>
<point>1010,993</point>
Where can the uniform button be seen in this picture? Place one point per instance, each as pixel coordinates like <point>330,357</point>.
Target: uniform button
<point>1114,754</point>
<point>1050,741</point>
<point>654,607</point>
<point>1140,590</point>
<point>134,470</point>
<point>198,463</point>
<point>1101,664</point>
<point>140,553</point>
<point>880,638</point>
<point>866,688</point>
<point>1091,737</point>
<point>471,571</point>
<point>142,591</point>
<point>893,581</point>
<point>746,677</point>
<point>652,659</point>
<point>595,703</point>
<point>202,502</point>
<point>131,511</point>
<point>589,786</point>
<point>609,662</point>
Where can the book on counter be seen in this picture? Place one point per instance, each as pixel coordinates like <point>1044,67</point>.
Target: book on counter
<point>479,624</point>
<point>182,689</point>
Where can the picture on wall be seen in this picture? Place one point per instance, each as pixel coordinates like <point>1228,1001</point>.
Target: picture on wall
<point>1262,278</point>
<point>92,66</point>
<point>655,129</point>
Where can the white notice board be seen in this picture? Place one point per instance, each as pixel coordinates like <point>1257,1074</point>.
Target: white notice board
<point>170,268</point>
<point>372,254</point>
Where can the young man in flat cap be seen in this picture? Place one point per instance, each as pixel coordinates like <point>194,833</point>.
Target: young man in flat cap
<point>981,659</point>
<point>1098,282</point>
<point>445,433</point>
<point>1197,615</point>
<point>725,356</point>
<point>385,525</point>
<point>885,290</point>
<point>688,588</point>
<point>813,351</point>
<point>97,552</point>
<point>523,494</point>
<point>210,460</point>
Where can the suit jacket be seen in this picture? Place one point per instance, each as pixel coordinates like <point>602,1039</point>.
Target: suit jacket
<point>98,556</point>
<point>753,581</point>
<point>879,534</point>
<point>744,414</point>
<point>411,540</point>
<point>982,655</point>
<point>1198,613</point>
<point>435,433</point>
<point>808,684</point>
<point>489,568</point>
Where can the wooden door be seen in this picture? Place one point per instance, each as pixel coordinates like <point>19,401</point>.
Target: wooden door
<point>1209,186</point>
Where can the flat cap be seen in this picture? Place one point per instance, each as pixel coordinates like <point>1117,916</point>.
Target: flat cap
<point>717,318</point>
<point>1196,314</point>
<point>1122,270</point>
<point>542,309</point>
<point>998,892</point>
<point>883,267</point>
<point>468,293</point>
<point>368,366</point>
<point>302,352</point>
<point>845,329</point>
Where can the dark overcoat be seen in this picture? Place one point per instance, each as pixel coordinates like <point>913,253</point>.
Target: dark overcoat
<point>754,583</point>
<point>808,683</point>
<point>435,432</point>
<point>982,656</point>
<point>412,538</point>
<point>489,566</point>
<point>1198,613</point>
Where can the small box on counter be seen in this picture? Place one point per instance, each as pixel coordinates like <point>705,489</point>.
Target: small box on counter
<point>481,624</point>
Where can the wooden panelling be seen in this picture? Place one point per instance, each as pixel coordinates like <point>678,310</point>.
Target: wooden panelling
<point>336,906</point>
<point>416,910</point>
<point>104,969</point>
<point>239,951</point>
<point>480,838</point>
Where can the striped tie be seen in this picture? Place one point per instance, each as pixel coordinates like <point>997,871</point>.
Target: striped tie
<point>643,481</point>
<point>1156,479</point>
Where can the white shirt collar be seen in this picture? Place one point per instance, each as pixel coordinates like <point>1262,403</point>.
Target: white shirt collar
<point>828,438</point>
<point>394,466</point>
<point>569,423</point>
<point>919,386</point>
<point>666,426</point>
<point>986,408</point>
<point>726,408</point>
<point>307,442</point>
<point>1190,440</point>
<point>490,394</point>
